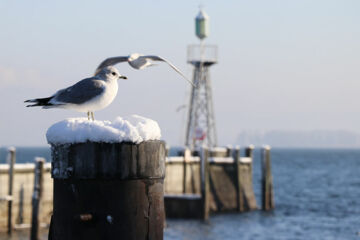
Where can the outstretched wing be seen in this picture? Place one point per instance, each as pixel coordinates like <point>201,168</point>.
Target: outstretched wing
<point>158,58</point>
<point>110,62</point>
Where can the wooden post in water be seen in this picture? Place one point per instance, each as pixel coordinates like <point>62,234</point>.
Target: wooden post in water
<point>229,151</point>
<point>205,188</point>
<point>267,181</point>
<point>20,219</point>
<point>249,152</point>
<point>12,159</point>
<point>239,192</point>
<point>36,197</point>
<point>187,155</point>
<point>108,191</point>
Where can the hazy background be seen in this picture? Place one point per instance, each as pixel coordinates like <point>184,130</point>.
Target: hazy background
<point>283,65</point>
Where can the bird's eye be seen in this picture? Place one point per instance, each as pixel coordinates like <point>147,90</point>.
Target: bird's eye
<point>113,73</point>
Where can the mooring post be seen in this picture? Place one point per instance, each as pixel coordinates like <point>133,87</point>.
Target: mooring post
<point>12,159</point>
<point>205,188</point>
<point>267,181</point>
<point>229,151</point>
<point>239,193</point>
<point>108,191</point>
<point>20,219</point>
<point>187,155</point>
<point>36,197</point>
<point>249,152</point>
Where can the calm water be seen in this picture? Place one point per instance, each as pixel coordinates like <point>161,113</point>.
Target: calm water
<point>317,196</point>
<point>26,154</point>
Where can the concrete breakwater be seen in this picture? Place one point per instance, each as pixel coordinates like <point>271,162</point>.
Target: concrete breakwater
<point>216,180</point>
<point>226,186</point>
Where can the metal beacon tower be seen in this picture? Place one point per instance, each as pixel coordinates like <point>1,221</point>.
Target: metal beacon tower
<point>201,129</point>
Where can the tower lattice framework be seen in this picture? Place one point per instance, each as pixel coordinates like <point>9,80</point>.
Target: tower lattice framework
<point>201,127</point>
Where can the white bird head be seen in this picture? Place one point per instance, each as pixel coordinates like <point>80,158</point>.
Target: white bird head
<point>110,73</point>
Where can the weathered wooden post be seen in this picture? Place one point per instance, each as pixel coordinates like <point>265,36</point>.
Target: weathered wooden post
<point>108,190</point>
<point>229,150</point>
<point>267,181</point>
<point>187,155</point>
<point>205,188</point>
<point>249,152</point>
<point>20,219</point>
<point>12,159</point>
<point>239,193</point>
<point>36,198</point>
<point>246,184</point>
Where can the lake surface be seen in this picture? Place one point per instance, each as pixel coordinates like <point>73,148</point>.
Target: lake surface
<point>317,196</point>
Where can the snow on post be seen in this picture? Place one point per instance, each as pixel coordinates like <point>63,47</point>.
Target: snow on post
<point>134,129</point>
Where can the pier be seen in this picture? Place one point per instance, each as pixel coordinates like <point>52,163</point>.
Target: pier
<point>197,184</point>
<point>218,180</point>
<point>22,192</point>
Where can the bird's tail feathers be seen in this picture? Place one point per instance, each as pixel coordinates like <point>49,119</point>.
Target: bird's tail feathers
<point>39,102</point>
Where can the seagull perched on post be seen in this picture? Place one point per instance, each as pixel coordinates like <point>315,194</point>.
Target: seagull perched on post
<point>139,61</point>
<point>88,95</point>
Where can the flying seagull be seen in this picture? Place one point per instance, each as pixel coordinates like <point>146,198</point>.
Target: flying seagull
<point>139,61</point>
<point>88,95</point>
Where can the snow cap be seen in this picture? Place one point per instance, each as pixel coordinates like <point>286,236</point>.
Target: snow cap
<point>128,129</point>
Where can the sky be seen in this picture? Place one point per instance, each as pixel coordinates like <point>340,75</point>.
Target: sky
<point>283,65</point>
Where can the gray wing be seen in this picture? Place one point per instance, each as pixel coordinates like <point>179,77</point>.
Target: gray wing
<point>110,62</point>
<point>79,93</point>
<point>158,58</point>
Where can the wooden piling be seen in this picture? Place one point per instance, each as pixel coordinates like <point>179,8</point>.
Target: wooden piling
<point>239,193</point>
<point>249,152</point>
<point>36,198</point>
<point>229,151</point>
<point>187,155</point>
<point>267,181</point>
<point>12,159</point>
<point>204,187</point>
<point>20,219</point>
<point>108,191</point>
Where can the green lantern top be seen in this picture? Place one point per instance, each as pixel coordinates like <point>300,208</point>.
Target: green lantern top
<point>202,25</point>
